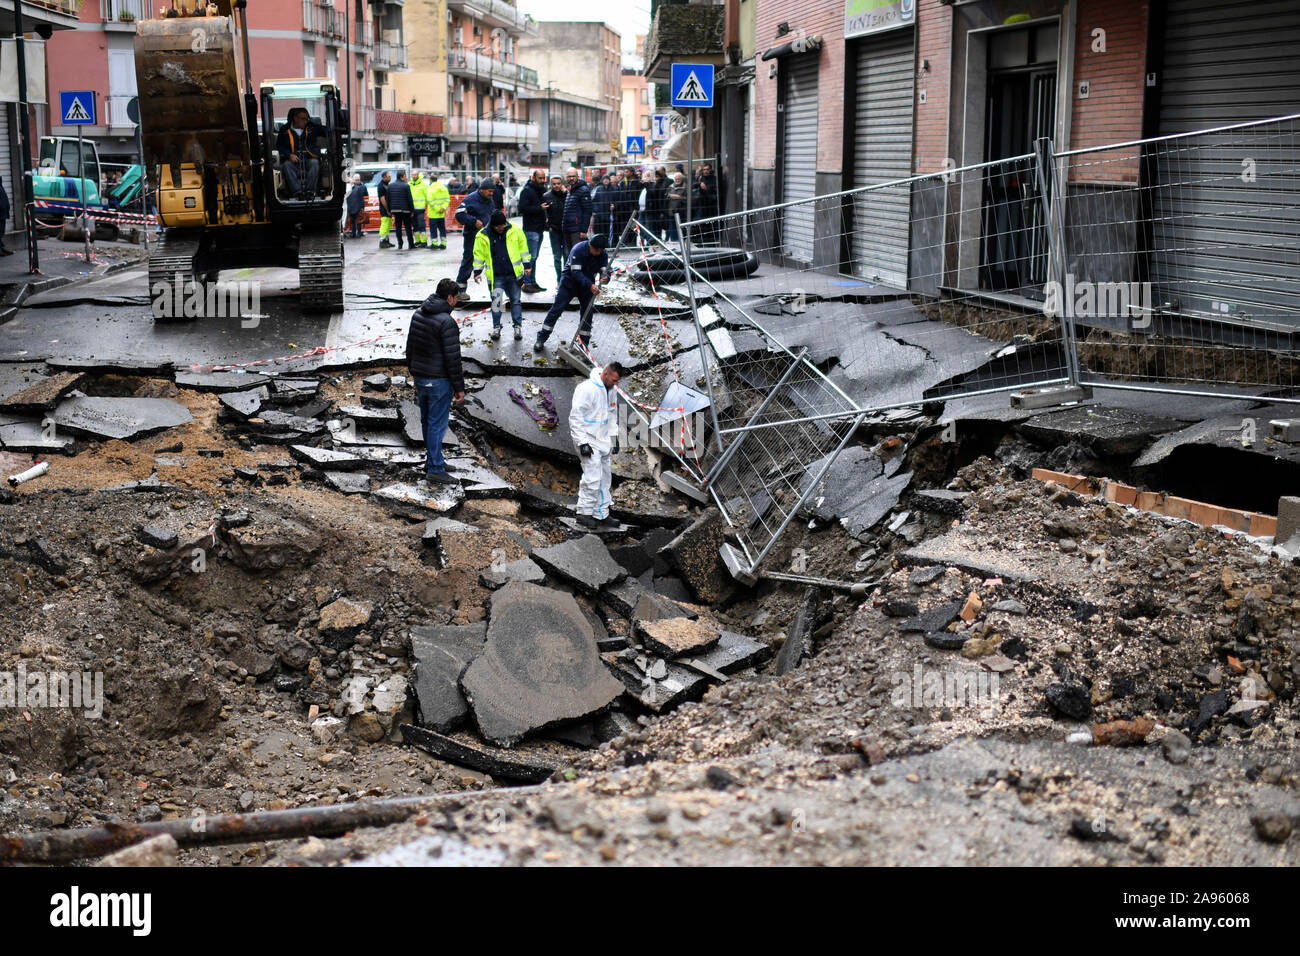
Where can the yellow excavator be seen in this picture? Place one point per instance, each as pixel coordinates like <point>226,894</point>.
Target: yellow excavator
<point>226,197</point>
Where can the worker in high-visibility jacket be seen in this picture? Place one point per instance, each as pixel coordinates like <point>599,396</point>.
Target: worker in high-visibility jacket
<point>439,200</point>
<point>501,251</point>
<point>420,196</point>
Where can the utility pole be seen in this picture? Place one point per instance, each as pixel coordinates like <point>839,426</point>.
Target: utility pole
<point>25,142</point>
<point>347,65</point>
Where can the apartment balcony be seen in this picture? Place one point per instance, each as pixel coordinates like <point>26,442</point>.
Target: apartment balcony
<point>323,20</point>
<point>492,130</point>
<point>123,13</point>
<point>471,64</point>
<point>56,14</point>
<point>367,119</point>
<point>684,31</point>
<point>496,13</point>
<point>388,56</point>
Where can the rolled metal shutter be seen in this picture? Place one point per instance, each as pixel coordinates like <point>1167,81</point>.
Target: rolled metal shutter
<point>799,155</point>
<point>1224,246</point>
<point>882,151</point>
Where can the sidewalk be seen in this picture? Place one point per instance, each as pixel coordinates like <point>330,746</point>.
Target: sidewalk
<point>61,263</point>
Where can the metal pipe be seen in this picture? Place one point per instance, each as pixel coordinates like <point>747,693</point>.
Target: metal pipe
<point>699,328</point>
<point>63,846</point>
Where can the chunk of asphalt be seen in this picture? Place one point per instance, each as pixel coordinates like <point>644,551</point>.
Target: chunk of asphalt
<point>413,502</point>
<point>935,619</point>
<point>326,458</point>
<point>583,562</point>
<point>163,538</point>
<point>525,569</point>
<point>676,636</point>
<point>659,685</point>
<point>348,482</point>
<point>733,652</point>
<point>798,640</point>
<point>120,418</point>
<point>540,667</point>
<point>502,764</point>
<point>244,404</point>
<point>220,381</point>
<point>440,654</point>
<point>438,531</point>
<point>694,553</point>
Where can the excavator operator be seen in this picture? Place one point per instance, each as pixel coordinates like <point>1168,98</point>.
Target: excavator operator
<point>298,159</point>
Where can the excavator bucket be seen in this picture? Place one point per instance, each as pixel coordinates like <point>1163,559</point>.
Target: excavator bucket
<point>191,106</point>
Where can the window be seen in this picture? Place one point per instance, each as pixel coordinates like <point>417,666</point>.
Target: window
<point>645,122</point>
<point>645,96</point>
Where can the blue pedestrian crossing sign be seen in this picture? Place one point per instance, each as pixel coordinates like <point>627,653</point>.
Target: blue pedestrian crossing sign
<point>636,146</point>
<point>692,85</point>
<point>77,107</point>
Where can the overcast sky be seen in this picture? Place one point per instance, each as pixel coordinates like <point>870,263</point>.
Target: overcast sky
<point>628,17</point>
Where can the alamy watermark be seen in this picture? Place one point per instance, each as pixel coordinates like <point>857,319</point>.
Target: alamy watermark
<point>1083,298</point>
<point>183,298</point>
<point>69,690</point>
<point>954,688</point>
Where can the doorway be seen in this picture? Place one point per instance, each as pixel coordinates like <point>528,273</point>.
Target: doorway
<point>1020,109</point>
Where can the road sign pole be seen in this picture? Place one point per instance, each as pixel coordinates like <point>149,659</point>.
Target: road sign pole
<point>690,165</point>
<point>81,171</point>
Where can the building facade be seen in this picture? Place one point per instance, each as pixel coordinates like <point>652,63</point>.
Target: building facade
<point>464,59</point>
<point>582,58</point>
<point>42,21</point>
<point>361,44</point>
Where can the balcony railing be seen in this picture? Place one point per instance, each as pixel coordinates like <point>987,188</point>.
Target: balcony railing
<point>114,107</point>
<point>495,13</point>
<point>367,119</point>
<point>492,130</point>
<point>123,11</point>
<point>388,56</point>
<point>322,20</point>
<point>69,7</point>
<point>462,62</point>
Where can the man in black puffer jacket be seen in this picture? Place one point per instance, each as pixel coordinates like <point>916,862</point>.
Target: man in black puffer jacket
<point>433,356</point>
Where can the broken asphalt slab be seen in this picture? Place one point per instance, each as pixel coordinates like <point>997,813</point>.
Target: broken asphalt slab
<point>501,764</point>
<point>415,503</point>
<point>24,434</point>
<point>656,684</point>
<point>694,554</point>
<point>440,654</point>
<point>673,637</point>
<point>858,489</point>
<point>583,562</point>
<point>525,570</point>
<point>42,394</point>
<point>1105,429</point>
<point>119,418</point>
<point>492,408</point>
<point>540,667</point>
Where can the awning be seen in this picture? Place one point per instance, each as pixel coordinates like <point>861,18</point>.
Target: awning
<point>797,45</point>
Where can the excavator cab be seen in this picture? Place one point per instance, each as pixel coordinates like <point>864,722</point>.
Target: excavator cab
<point>304,126</point>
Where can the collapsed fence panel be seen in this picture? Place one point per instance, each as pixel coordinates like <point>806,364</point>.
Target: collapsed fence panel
<point>1171,263</point>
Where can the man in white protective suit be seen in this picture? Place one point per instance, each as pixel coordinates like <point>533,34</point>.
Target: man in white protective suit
<point>593,423</point>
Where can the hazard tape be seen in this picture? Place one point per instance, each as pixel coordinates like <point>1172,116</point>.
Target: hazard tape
<point>107,215</point>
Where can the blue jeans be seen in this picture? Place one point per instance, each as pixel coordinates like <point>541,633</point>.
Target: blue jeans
<point>509,286</point>
<point>559,253</point>
<point>291,173</point>
<point>434,398</point>
<point>534,246</point>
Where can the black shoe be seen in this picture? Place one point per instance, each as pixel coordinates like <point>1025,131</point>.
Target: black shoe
<point>385,244</point>
<point>495,334</point>
<point>464,287</point>
<point>539,346</point>
<point>440,478</point>
<point>587,521</point>
<point>608,524</point>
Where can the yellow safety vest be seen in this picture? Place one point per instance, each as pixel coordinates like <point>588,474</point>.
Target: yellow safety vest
<point>516,248</point>
<point>419,193</point>
<point>439,198</point>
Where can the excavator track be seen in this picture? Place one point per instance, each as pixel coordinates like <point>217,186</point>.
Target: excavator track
<point>320,270</point>
<point>173,255</point>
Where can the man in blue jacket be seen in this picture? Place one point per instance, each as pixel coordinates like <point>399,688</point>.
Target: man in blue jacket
<point>474,212</point>
<point>433,356</point>
<point>588,270</point>
<point>577,210</point>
